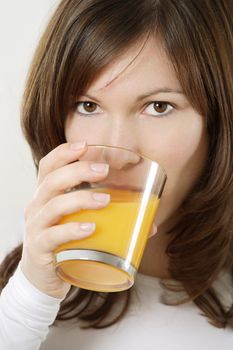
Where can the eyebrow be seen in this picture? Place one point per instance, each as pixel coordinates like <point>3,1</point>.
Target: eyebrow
<point>159,91</point>
<point>142,97</point>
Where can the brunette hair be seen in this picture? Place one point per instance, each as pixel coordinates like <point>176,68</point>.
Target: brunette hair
<point>81,38</point>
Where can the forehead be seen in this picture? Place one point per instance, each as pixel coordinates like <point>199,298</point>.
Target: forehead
<point>142,63</point>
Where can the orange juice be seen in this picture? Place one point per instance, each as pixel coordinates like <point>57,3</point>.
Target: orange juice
<point>122,230</point>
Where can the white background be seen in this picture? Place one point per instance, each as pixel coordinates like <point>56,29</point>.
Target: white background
<point>21,24</point>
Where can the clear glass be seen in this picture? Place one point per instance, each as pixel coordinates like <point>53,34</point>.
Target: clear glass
<point>109,259</point>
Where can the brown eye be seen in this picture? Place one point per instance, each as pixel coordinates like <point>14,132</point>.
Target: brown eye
<point>88,108</point>
<point>160,107</point>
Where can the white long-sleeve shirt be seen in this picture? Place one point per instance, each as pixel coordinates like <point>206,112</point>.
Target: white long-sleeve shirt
<point>26,313</point>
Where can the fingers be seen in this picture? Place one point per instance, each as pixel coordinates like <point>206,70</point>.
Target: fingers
<point>153,231</point>
<point>51,238</point>
<point>66,177</point>
<point>66,204</point>
<point>58,157</point>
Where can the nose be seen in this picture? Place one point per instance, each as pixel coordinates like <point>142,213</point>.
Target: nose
<point>121,133</point>
<point>120,158</point>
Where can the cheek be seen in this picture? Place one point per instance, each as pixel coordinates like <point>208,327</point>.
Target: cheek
<point>83,129</point>
<point>69,133</point>
<point>182,152</point>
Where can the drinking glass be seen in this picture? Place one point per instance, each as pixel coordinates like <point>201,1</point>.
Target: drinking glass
<point>109,259</point>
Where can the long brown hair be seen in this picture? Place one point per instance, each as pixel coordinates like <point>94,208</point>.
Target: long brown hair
<point>81,38</point>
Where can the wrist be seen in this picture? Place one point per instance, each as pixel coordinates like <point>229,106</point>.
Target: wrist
<point>58,290</point>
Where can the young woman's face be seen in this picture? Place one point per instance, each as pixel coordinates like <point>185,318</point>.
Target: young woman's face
<point>144,109</point>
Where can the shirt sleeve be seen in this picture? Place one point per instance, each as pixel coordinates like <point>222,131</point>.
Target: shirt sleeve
<point>25,314</point>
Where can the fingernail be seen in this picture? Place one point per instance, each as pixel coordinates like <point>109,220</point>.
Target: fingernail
<point>99,167</point>
<point>87,226</point>
<point>101,197</point>
<point>78,145</point>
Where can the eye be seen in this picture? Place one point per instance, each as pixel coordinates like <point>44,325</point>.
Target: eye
<point>159,109</point>
<point>87,108</point>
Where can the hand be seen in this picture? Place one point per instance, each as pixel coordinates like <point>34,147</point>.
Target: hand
<point>49,204</point>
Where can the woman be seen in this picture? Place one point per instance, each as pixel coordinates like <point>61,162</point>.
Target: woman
<point>154,76</point>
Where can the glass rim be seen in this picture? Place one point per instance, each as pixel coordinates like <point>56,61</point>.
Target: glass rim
<point>129,150</point>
